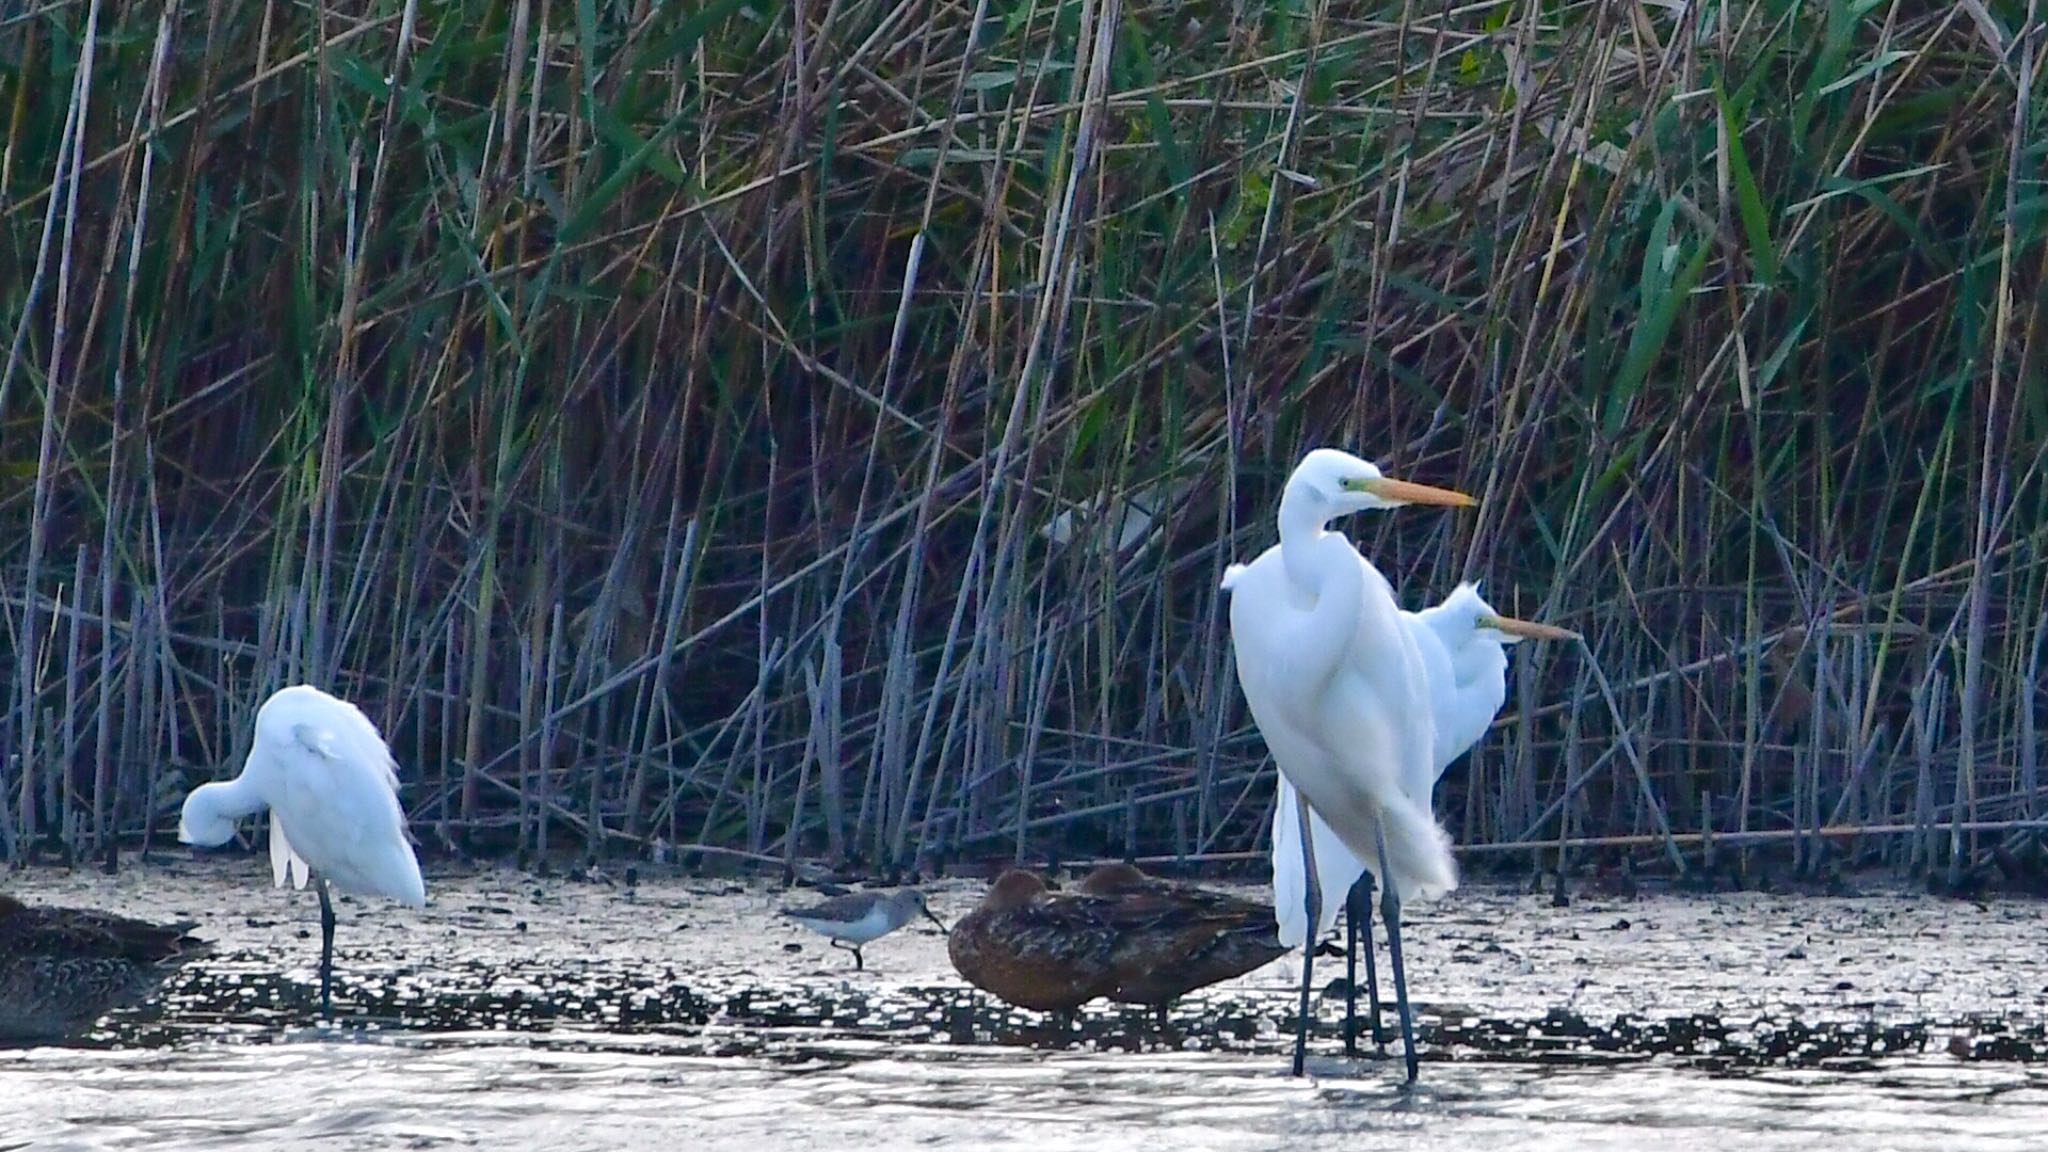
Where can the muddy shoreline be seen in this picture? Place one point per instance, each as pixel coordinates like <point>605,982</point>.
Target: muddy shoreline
<point>704,966</point>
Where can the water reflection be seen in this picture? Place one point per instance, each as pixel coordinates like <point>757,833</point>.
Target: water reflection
<point>602,1091</point>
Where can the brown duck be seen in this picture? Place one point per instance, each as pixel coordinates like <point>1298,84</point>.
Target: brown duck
<point>1175,938</point>
<point>63,968</point>
<point>1035,949</point>
<point>1120,934</point>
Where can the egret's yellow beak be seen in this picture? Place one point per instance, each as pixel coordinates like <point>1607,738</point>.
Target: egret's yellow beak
<point>1527,629</point>
<point>1403,492</point>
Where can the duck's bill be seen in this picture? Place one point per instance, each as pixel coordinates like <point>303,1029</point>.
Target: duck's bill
<point>1406,492</point>
<point>1527,629</point>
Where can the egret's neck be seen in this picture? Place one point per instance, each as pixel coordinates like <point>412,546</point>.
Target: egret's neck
<point>1335,573</point>
<point>232,799</point>
<point>211,810</point>
<point>1302,519</point>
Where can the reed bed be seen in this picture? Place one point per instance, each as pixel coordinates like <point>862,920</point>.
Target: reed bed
<point>817,430</point>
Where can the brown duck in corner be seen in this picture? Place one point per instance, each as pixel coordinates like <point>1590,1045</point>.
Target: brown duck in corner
<point>1175,938</point>
<point>63,968</point>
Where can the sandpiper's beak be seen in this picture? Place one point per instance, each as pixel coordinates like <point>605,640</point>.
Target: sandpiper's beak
<point>934,918</point>
<point>1527,629</point>
<point>1403,492</point>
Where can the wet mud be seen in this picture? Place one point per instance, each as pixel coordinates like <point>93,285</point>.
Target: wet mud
<point>706,968</point>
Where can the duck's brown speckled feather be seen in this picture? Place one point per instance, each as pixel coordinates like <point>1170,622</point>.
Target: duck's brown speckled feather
<point>63,968</point>
<point>1053,954</point>
<point>1122,935</point>
<point>1177,937</point>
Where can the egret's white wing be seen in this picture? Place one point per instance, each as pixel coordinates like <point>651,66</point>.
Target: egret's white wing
<point>1355,742</point>
<point>285,864</point>
<point>1375,721</point>
<point>1337,869</point>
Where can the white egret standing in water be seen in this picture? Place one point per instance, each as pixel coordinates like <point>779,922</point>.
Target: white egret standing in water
<point>1463,642</point>
<point>1339,690</point>
<point>331,786</point>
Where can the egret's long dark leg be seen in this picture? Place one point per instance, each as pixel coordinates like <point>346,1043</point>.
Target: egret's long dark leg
<point>326,950</point>
<point>1390,911</point>
<point>1357,928</point>
<point>1351,970</point>
<point>1361,906</point>
<point>1314,903</point>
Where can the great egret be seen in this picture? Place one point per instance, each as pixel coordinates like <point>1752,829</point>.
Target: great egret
<point>1339,690</point>
<point>1463,642</point>
<point>1174,938</point>
<point>331,786</point>
<point>63,968</point>
<point>857,918</point>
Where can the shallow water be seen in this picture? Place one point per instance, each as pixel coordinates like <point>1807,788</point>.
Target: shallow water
<point>516,1014</point>
<point>501,1090</point>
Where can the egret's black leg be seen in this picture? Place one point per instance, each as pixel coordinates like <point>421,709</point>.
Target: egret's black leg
<point>1358,927</point>
<point>326,950</point>
<point>1390,911</point>
<point>1351,970</point>
<point>1362,895</point>
<point>1314,904</point>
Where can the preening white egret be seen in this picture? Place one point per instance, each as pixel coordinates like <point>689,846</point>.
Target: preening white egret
<point>331,786</point>
<point>1463,642</point>
<point>1339,690</point>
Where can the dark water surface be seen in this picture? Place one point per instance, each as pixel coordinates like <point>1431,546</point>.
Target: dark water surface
<point>516,1014</point>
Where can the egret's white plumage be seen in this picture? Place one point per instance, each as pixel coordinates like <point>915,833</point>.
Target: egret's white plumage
<point>1463,643</point>
<point>1338,687</point>
<point>1335,683</point>
<point>331,785</point>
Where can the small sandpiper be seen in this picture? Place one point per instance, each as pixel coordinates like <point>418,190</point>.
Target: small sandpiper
<point>857,918</point>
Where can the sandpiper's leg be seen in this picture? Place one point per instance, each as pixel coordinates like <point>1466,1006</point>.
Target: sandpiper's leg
<point>1390,911</point>
<point>326,949</point>
<point>1314,903</point>
<point>853,948</point>
<point>1159,1016</point>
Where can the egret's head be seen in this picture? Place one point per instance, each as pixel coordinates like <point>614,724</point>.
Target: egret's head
<point>204,821</point>
<point>1342,483</point>
<point>1509,630</point>
<point>1463,610</point>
